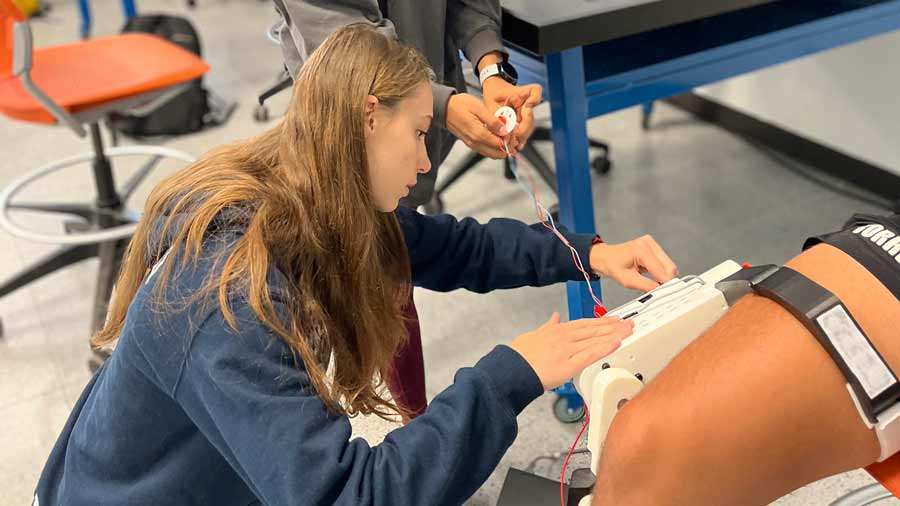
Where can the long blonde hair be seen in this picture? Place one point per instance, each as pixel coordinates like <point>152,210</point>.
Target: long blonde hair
<point>305,183</point>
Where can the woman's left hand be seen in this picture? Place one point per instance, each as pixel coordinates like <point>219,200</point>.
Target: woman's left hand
<point>627,262</point>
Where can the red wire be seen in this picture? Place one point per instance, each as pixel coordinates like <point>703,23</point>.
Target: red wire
<point>587,415</point>
<point>574,257</point>
<point>543,219</point>
<point>562,476</point>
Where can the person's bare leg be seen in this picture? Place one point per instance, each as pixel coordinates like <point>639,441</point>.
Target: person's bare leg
<point>754,408</point>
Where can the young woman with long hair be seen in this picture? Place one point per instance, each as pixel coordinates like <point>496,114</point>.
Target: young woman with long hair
<point>260,305</point>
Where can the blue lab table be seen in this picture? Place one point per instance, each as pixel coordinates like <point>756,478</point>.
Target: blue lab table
<point>594,57</point>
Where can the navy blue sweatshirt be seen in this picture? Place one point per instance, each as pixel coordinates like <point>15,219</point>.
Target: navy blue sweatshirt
<point>190,411</point>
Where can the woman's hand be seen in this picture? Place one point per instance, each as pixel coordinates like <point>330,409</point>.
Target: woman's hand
<point>625,263</point>
<point>558,351</point>
<point>470,121</point>
<point>497,93</point>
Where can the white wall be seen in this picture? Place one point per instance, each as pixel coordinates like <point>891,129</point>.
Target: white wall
<point>846,98</point>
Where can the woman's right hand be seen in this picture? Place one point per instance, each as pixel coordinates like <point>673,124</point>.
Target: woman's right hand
<point>559,351</point>
<point>470,121</point>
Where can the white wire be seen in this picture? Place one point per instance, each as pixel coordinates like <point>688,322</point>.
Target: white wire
<point>514,168</point>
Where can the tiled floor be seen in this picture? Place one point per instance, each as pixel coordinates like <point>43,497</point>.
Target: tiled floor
<point>705,195</point>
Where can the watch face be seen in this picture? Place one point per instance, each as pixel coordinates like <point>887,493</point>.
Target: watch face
<point>509,70</point>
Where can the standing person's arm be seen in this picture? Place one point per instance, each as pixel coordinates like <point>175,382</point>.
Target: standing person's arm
<point>475,27</point>
<point>307,23</point>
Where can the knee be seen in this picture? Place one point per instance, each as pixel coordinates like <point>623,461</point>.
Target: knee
<point>643,458</point>
<point>632,440</point>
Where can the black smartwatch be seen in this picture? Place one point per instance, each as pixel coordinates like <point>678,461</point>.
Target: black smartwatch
<point>503,69</point>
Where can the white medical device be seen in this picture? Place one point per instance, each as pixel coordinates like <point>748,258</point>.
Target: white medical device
<point>670,317</point>
<point>666,320</point>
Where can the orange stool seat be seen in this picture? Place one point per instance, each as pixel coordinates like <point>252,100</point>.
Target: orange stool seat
<point>91,73</point>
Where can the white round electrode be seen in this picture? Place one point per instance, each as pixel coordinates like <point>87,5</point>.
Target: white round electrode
<point>508,116</point>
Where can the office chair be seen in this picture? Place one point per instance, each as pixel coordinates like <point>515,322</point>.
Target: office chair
<point>261,113</point>
<point>78,85</point>
<point>282,82</point>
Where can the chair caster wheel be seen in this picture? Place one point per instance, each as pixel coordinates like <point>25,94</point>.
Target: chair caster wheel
<point>564,414</point>
<point>601,164</point>
<point>100,356</point>
<point>94,364</point>
<point>261,114</point>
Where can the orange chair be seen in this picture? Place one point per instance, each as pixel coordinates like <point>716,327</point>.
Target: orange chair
<point>78,85</point>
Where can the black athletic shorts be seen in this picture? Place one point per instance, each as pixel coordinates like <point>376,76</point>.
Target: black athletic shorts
<point>874,242</point>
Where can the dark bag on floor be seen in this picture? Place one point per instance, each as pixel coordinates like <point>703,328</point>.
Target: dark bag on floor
<point>183,113</point>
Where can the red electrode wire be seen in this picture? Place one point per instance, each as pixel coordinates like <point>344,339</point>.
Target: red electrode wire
<point>599,309</point>
<point>535,195</point>
<point>562,476</point>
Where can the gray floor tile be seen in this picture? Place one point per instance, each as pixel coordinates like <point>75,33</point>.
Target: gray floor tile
<point>28,369</point>
<point>28,431</point>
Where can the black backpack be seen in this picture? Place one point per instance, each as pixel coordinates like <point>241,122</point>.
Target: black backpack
<point>183,113</point>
